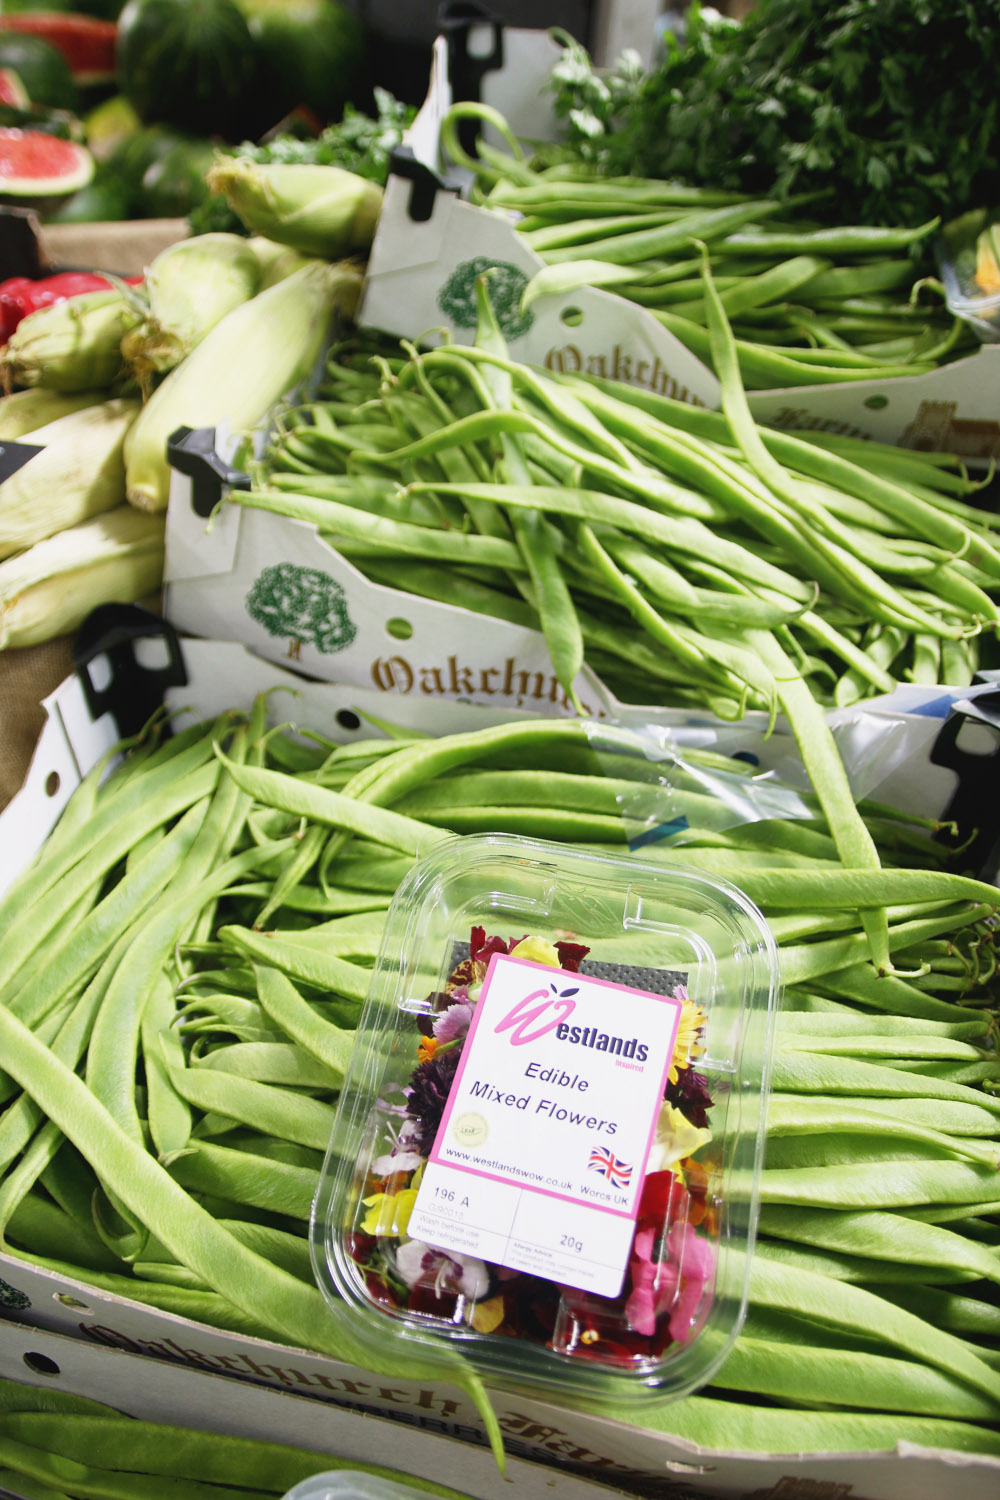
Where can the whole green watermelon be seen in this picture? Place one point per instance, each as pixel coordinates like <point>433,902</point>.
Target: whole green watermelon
<point>310,53</point>
<point>189,63</point>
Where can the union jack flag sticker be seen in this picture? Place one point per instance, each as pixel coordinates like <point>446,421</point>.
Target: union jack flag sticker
<point>618,1173</point>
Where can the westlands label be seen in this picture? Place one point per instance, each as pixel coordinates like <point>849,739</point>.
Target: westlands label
<point>541,1153</point>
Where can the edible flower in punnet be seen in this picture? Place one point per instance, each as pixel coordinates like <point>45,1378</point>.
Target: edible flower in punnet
<point>669,1274</point>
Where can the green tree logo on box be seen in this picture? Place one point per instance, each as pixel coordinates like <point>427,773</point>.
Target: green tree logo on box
<point>303,604</point>
<point>11,1297</point>
<point>457,298</point>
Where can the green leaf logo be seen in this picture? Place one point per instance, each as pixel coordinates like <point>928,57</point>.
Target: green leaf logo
<point>302,604</point>
<point>505,287</point>
<point>11,1297</point>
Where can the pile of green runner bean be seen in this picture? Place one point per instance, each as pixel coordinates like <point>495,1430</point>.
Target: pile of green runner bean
<point>809,304</point>
<point>55,1446</point>
<point>637,533</point>
<point>183,967</point>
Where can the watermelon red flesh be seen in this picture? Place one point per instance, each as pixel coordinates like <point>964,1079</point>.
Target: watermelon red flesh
<point>36,165</point>
<point>87,43</point>
<point>12,90</point>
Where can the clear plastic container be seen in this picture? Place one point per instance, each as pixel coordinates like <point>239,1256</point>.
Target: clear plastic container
<point>969,259</point>
<point>353,1484</point>
<point>547,1152</point>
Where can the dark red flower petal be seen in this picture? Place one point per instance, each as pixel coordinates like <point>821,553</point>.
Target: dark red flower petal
<point>571,956</point>
<point>360,1246</point>
<point>378,1291</point>
<point>663,1202</point>
<point>423,1299</point>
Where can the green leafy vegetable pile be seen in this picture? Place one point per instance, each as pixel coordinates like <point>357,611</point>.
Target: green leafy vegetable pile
<point>887,107</point>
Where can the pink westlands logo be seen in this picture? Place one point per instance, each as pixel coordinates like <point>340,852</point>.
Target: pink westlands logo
<point>520,1018</point>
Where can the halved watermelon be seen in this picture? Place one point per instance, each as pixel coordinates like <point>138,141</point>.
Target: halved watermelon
<point>39,171</point>
<point>12,90</point>
<point>87,43</point>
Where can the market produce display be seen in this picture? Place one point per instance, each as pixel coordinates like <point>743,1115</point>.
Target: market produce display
<point>186,960</point>
<point>39,66</point>
<point>358,143</point>
<point>68,541</point>
<point>189,63</point>
<point>238,370</point>
<point>643,516</point>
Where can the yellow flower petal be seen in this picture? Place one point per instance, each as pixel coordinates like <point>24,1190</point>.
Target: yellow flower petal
<point>488,1315</point>
<point>687,1046</point>
<point>538,950</point>
<point>388,1213</point>
<point>675,1138</point>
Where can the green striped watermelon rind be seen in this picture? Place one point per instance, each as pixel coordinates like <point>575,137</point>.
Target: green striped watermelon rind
<point>191,66</point>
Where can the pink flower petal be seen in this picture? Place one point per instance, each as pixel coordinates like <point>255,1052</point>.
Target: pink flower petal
<point>691,1252</point>
<point>681,1325</point>
<point>452,1024</point>
<point>640,1310</point>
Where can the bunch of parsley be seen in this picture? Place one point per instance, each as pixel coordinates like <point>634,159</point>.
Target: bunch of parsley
<point>889,108</point>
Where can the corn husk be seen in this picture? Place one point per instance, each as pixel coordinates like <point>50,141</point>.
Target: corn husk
<point>78,473</point>
<point>26,411</point>
<point>258,353</point>
<point>190,287</point>
<point>323,211</point>
<point>72,346</point>
<point>50,588</point>
<point>275,261</point>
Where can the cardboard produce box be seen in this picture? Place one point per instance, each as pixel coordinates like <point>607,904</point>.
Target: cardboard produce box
<point>430,241</point>
<point>153,1363</point>
<point>430,244</point>
<point>29,247</point>
<point>932,752</point>
<point>276,585</point>
<point>153,1389</point>
<point>159,1368</point>
<point>127,248</point>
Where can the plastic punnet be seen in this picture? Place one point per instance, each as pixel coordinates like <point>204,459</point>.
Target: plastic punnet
<point>969,259</point>
<point>353,1484</point>
<point>548,1144</point>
